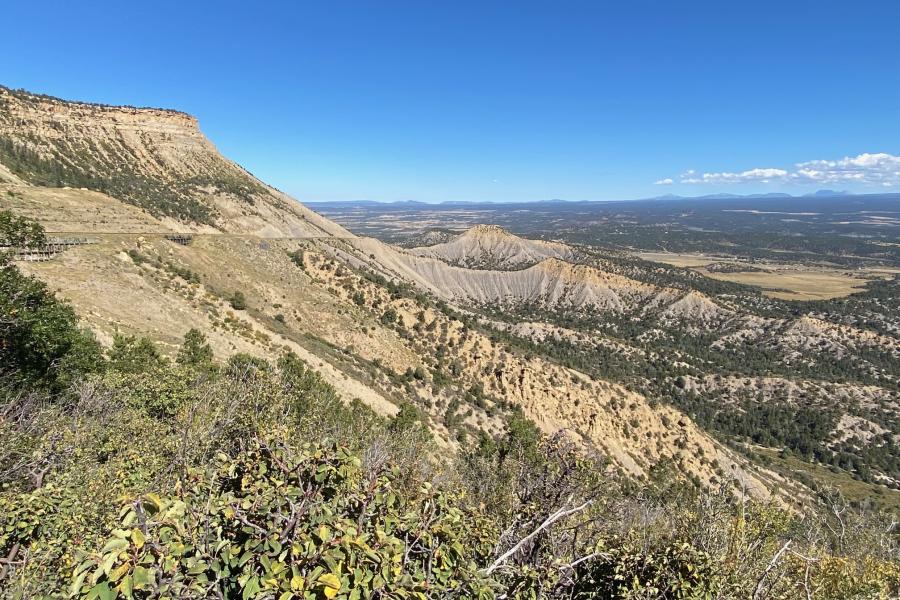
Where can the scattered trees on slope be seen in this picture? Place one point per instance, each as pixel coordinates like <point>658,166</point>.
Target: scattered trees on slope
<point>133,476</point>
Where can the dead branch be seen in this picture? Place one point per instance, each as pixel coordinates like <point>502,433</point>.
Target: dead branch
<point>562,513</point>
<point>772,564</point>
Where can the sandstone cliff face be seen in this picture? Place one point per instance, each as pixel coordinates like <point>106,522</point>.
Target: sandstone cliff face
<point>155,159</point>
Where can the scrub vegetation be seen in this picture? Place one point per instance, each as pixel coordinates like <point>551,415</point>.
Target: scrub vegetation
<point>125,474</point>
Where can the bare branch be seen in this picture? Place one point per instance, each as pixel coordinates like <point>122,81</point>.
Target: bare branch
<point>583,559</point>
<point>562,513</point>
<point>772,564</point>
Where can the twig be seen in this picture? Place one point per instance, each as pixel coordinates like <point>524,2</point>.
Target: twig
<point>547,523</point>
<point>590,556</point>
<point>772,564</point>
<point>240,517</point>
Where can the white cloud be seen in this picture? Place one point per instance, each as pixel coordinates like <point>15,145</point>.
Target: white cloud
<point>666,181</point>
<point>760,175</point>
<point>865,169</point>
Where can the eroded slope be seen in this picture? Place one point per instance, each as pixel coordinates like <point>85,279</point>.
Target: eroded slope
<point>157,160</point>
<point>491,247</point>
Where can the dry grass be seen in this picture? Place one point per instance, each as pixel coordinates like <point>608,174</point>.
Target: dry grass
<point>112,294</point>
<point>777,280</point>
<point>62,210</point>
<point>678,260</point>
<point>797,284</point>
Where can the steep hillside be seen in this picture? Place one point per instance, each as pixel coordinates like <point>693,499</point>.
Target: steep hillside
<point>129,176</point>
<point>818,379</point>
<point>157,160</point>
<point>64,209</point>
<point>612,350</point>
<point>460,359</point>
<point>331,315</point>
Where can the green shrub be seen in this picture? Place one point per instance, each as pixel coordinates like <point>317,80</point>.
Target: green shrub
<point>195,351</point>
<point>236,486</point>
<point>238,301</point>
<point>297,258</point>
<point>304,523</point>
<point>136,257</point>
<point>41,342</point>
<point>246,367</point>
<point>131,354</point>
<point>668,569</point>
<point>20,232</point>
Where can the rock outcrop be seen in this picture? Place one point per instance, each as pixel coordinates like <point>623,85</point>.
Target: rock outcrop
<point>155,159</point>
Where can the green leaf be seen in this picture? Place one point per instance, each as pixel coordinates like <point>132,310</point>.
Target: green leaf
<point>141,577</point>
<point>331,583</point>
<point>125,587</point>
<point>114,544</point>
<point>251,589</point>
<point>100,591</point>
<point>266,563</point>
<point>117,573</point>
<point>297,583</point>
<point>137,538</point>
<point>78,582</point>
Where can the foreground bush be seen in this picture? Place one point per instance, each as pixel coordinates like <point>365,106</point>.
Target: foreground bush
<point>260,483</point>
<point>311,522</point>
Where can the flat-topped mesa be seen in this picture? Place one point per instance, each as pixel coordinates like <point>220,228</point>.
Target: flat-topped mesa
<point>153,158</point>
<point>36,121</point>
<point>53,104</point>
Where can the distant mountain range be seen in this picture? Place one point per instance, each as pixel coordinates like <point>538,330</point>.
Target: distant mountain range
<point>413,203</point>
<point>816,194</point>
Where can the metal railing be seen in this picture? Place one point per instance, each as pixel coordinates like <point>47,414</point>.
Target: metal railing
<point>46,251</point>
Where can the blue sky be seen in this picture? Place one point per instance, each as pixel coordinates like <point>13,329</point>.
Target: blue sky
<point>497,101</point>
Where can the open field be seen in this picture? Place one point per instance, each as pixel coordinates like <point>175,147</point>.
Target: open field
<point>782,281</point>
<point>796,285</point>
<point>687,261</point>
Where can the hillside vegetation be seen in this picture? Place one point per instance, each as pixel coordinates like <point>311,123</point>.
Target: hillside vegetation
<point>250,402</point>
<point>126,474</point>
